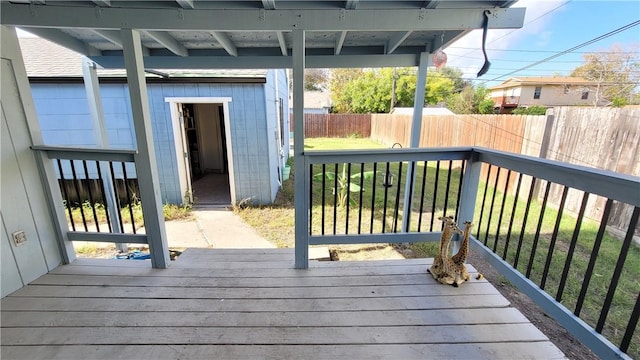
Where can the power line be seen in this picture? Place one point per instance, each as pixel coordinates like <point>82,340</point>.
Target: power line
<point>589,42</point>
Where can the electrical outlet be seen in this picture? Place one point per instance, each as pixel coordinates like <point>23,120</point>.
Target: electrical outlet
<point>19,238</point>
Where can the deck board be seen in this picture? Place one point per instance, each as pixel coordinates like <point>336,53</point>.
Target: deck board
<point>252,304</point>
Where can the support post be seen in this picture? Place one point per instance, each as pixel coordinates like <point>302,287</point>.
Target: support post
<point>145,159</point>
<point>300,179</point>
<point>468,194</point>
<point>92,88</point>
<point>416,126</point>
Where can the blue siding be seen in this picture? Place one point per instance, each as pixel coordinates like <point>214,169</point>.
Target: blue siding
<point>65,120</point>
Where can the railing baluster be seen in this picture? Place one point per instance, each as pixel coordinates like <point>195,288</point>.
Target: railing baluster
<point>493,201</point>
<point>424,185</point>
<point>324,175</point>
<point>397,202</point>
<point>311,199</point>
<point>618,270</point>
<point>594,256</point>
<point>335,198</point>
<point>104,196</point>
<point>631,327</point>
<point>115,187</point>
<point>373,195</point>
<point>464,163</point>
<point>504,200</point>
<point>346,220</point>
<point>572,247</point>
<point>435,195</point>
<point>360,199</point>
<point>66,195</point>
<point>524,222</point>
<point>513,216</point>
<point>75,185</point>
<point>410,197</point>
<point>536,237</point>
<point>554,237</point>
<point>91,200</point>
<point>446,192</point>
<point>386,194</point>
<point>126,187</point>
<point>484,199</point>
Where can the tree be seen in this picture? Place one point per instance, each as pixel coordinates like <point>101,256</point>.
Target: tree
<point>315,79</point>
<point>616,73</point>
<point>471,101</point>
<point>531,110</point>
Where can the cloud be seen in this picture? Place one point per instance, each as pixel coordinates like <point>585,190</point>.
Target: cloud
<point>466,53</point>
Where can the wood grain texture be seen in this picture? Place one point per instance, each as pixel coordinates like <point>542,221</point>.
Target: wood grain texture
<point>376,310</point>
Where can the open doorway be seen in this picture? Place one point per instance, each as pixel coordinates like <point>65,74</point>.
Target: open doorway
<point>205,143</point>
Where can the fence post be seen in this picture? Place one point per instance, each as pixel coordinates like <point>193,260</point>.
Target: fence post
<point>468,194</point>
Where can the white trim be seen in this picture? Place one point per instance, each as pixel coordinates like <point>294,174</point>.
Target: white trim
<point>175,120</point>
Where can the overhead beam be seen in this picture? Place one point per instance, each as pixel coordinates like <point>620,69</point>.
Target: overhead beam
<point>269,4</point>
<point>396,40</point>
<point>431,4</point>
<point>66,40</point>
<point>282,42</point>
<point>169,42</point>
<point>113,37</point>
<point>102,2</point>
<point>274,20</point>
<point>226,42</point>
<point>340,42</point>
<point>351,4</point>
<point>186,4</point>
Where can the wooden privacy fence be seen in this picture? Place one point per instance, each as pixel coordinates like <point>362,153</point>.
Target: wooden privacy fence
<point>335,125</point>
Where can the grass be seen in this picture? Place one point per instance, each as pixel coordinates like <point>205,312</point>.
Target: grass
<point>276,223</point>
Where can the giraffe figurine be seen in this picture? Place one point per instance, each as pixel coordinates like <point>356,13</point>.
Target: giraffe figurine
<point>460,270</point>
<point>443,266</point>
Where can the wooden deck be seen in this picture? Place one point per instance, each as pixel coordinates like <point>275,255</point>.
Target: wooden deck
<point>228,304</point>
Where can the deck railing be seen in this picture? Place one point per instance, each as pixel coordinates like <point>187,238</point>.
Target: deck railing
<point>95,184</point>
<point>542,224</point>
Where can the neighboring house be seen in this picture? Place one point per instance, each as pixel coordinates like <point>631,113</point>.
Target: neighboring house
<point>207,123</point>
<point>425,111</point>
<point>542,91</point>
<point>316,102</point>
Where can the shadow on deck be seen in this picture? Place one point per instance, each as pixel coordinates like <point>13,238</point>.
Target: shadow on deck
<point>214,303</point>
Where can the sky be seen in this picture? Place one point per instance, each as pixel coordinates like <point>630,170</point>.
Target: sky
<point>550,27</point>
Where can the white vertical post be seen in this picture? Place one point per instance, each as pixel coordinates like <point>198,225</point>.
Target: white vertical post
<point>300,193</point>
<point>146,167</point>
<point>416,127</point>
<point>468,194</point>
<point>92,88</point>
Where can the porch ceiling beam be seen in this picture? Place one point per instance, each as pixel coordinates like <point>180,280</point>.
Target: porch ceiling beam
<point>340,42</point>
<point>169,42</point>
<point>66,40</point>
<point>396,40</point>
<point>186,4</point>
<point>431,4</point>
<point>282,42</point>
<point>102,2</point>
<point>351,4</point>
<point>114,37</point>
<point>269,4</point>
<point>262,62</point>
<point>274,20</point>
<point>226,42</point>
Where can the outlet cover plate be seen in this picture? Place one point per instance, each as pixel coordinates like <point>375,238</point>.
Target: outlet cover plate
<point>19,238</point>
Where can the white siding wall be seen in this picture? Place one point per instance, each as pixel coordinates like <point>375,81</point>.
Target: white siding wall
<point>23,205</point>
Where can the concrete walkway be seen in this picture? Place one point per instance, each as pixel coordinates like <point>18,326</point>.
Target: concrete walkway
<point>214,228</point>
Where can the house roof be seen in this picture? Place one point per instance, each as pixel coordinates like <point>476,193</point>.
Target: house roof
<point>425,111</point>
<point>542,80</point>
<point>317,99</point>
<point>215,34</point>
<point>60,62</point>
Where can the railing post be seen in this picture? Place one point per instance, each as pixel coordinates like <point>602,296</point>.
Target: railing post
<point>300,176</point>
<point>469,192</point>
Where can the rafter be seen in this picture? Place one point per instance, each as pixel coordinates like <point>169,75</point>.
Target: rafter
<point>66,40</point>
<point>169,42</point>
<point>282,42</point>
<point>186,4</point>
<point>397,39</point>
<point>114,37</point>
<point>226,42</point>
<point>269,4</point>
<point>351,4</point>
<point>340,42</point>
<point>430,4</point>
<point>102,2</point>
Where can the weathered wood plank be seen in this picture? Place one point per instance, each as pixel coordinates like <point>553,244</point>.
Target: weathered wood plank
<point>213,305</point>
<point>318,292</point>
<point>273,335</point>
<point>472,351</point>
<point>110,263</point>
<point>257,319</point>
<point>253,255</point>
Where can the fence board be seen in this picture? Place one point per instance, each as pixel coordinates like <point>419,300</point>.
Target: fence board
<point>335,125</point>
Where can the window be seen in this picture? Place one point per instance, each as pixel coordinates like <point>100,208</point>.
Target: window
<point>566,89</point>
<point>585,94</point>
<point>536,92</point>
